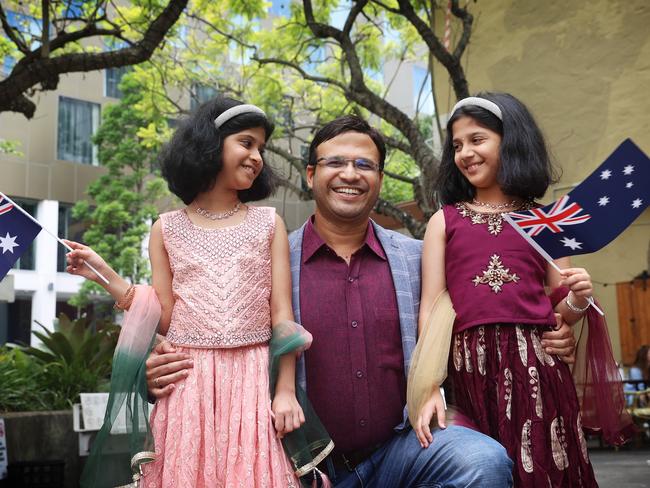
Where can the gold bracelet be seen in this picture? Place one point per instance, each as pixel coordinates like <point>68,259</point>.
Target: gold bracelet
<point>575,308</point>
<point>125,302</point>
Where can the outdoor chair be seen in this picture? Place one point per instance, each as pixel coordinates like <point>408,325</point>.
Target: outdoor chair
<point>639,409</point>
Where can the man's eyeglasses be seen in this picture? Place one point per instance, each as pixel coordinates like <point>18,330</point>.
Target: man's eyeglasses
<point>361,165</point>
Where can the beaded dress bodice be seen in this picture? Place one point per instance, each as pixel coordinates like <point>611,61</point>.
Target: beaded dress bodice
<point>221,280</point>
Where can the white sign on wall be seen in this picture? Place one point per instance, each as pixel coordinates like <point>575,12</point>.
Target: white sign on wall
<point>3,450</point>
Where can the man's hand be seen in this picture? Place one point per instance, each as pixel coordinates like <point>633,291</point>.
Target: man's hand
<point>165,367</point>
<point>560,341</point>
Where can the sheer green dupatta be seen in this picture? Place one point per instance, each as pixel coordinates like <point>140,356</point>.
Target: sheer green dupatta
<point>124,441</point>
<point>309,445</point>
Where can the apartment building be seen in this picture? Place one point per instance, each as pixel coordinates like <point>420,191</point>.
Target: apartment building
<point>58,162</point>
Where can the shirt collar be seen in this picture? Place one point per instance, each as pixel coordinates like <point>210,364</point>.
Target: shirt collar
<point>312,241</point>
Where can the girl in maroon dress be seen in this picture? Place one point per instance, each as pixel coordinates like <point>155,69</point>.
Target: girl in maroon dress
<point>495,161</point>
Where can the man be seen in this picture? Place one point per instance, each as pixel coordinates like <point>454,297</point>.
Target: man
<point>356,288</point>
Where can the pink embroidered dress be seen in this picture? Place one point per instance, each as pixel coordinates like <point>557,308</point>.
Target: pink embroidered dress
<point>501,377</point>
<point>215,429</point>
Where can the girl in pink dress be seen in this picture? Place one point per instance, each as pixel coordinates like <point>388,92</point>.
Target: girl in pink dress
<point>220,270</point>
<point>495,161</point>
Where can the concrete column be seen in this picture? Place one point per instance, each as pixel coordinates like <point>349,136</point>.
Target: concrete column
<point>44,297</point>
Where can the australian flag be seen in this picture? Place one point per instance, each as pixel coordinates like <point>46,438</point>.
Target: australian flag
<point>17,231</point>
<point>594,212</point>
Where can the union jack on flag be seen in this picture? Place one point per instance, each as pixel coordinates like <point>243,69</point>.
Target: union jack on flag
<point>560,214</point>
<point>17,231</point>
<point>595,212</point>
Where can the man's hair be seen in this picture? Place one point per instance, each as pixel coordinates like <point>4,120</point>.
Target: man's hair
<point>341,125</point>
<point>193,158</point>
<point>525,168</point>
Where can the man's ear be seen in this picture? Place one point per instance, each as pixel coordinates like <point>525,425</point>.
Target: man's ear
<point>309,173</point>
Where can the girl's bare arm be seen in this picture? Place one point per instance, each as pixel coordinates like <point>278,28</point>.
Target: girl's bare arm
<point>161,276</point>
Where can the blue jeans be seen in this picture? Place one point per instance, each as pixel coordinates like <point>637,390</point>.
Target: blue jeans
<point>458,457</point>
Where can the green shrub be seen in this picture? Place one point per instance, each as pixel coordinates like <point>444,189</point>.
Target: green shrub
<point>20,388</point>
<point>72,359</point>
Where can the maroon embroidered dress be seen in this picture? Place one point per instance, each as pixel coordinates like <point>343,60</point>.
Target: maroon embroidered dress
<point>502,378</point>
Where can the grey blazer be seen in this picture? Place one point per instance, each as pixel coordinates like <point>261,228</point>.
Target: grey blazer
<point>404,256</point>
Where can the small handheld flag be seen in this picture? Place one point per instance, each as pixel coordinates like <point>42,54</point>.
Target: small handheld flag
<point>24,226</point>
<point>596,211</point>
<point>17,232</point>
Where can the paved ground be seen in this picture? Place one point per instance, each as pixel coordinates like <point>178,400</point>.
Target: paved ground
<point>625,468</point>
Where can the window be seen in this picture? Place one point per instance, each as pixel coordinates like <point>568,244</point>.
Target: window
<point>69,228</point>
<point>27,260</point>
<point>200,94</point>
<point>112,81</point>
<point>15,321</point>
<point>78,121</point>
<point>422,96</point>
<point>280,8</point>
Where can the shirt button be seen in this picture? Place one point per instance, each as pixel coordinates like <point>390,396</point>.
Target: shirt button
<point>354,323</point>
<point>362,422</point>
<point>350,279</point>
<point>359,374</point>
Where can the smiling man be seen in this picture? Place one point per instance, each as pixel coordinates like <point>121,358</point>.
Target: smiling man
<point>356,288</point>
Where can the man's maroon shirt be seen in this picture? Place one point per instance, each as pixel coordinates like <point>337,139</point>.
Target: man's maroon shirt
<point>355,366</point>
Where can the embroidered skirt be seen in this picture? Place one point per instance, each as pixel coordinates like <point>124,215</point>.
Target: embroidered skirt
<point>215,429</point>
<point>524,398</point>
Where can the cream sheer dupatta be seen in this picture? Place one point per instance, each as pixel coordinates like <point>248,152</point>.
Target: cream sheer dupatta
<point>429,362</point>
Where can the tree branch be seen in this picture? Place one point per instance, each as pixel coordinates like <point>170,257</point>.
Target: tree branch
<point>47,70</point>
<point>449,61</point>
<point>303,73</point>
<point>13,35</point>
<point>397,144</point>
<point>297,162</point>
<point>395,176</point>
<point>300,193</point>
<point>414,226</point>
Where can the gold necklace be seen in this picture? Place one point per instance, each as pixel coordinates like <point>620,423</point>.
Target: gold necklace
<point>495,206</point>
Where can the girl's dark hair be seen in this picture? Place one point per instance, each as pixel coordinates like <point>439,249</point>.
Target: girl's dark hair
<point>192,159</point>
<point>525,169</point>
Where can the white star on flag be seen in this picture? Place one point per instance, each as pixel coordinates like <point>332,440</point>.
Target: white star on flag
<point>604,175</point>
<point>572,243</point>
<point>8,243</point>
<point>637,203</point>
<point>628,170</point>
<point>602,201</point>
<point>629,185</point>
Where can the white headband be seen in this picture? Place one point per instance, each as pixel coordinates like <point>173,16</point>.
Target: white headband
<point>236,110</point>
<point>491,107</point>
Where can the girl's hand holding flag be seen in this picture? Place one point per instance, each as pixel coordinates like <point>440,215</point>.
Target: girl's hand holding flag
<point>81,261</point>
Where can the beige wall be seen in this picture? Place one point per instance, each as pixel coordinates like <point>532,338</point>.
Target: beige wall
<point>583,68</point>
<point>38,174</point>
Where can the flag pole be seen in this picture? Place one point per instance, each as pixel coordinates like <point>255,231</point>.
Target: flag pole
<point>545,255</point>
<point>18,207</point>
